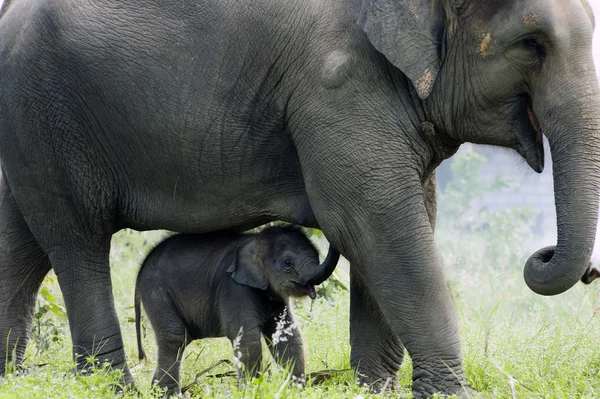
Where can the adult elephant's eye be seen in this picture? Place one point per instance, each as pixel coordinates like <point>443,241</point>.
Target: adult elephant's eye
<point>535,45</point>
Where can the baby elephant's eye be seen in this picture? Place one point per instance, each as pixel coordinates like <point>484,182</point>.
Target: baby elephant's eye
<point>288,264</point>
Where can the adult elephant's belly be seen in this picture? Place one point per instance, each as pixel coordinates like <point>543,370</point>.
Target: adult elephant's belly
<point>211,191</point>
<point>200,211</point>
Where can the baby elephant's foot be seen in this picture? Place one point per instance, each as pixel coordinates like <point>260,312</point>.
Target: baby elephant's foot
<point>124,382</point>
<point>299,380</point>
<point>170,390</point>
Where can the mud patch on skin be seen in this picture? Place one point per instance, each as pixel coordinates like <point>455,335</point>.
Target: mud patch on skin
<point>487,45</point>
<point>531,21</point>
<point>424,83</point>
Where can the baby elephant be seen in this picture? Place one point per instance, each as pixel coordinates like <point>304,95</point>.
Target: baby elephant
<point>232,285</point>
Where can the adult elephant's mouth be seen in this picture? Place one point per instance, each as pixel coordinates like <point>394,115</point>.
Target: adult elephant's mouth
<point>530,136</point>
<point>537,131</point>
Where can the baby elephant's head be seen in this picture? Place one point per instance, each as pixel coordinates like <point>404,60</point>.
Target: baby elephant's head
<point>283,260</point>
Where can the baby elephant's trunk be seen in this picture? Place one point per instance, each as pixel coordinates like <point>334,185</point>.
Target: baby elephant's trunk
<point>327,267</point>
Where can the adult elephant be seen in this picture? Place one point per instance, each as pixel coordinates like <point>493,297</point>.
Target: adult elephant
<point>201,115</point>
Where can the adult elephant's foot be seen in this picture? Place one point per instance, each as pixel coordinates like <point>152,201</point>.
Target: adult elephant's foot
<point>123,383</point>
<point>92,354</point>
<point>382,383</point>
<point>447,378</point>
<point>425,384</point>
<point>462,393</point>
<point>413,311</point>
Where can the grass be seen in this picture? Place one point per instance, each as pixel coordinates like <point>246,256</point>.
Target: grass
<point>514,342</point>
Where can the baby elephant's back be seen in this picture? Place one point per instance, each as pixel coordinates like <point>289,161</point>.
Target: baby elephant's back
<point>191,256</point>
<point>186,271</point>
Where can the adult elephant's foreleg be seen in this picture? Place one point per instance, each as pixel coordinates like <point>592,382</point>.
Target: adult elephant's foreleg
<point>23,266</point>
<point>377,352</point>
<point>382,226</point>
<point>409,288</point>
<point>365,169</point>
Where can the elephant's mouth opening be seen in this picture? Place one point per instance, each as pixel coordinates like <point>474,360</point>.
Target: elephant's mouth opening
<point>536,130</point>
<point>311,291</point>
<point>307,289</point>
<point>531,140</point>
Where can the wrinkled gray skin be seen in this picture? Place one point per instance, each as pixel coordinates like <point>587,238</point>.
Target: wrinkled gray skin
<point>197,286</point>
<point>203,115</point>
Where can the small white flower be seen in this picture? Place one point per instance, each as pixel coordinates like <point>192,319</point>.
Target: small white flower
<point>283,328</point>
<point>237,354</point>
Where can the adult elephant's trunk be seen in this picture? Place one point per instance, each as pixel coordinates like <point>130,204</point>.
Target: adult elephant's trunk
<point>573,130</point>
<point>327,267</point>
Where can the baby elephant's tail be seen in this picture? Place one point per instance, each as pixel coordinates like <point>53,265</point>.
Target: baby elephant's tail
<point>138,321</point>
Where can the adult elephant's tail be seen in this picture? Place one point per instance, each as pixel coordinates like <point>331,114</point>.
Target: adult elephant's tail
<point>138,321</point>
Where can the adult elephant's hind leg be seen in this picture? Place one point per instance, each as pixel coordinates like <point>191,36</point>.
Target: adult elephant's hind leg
<point>75,233</point>
<point>83,273</point>
<point>377,352</point>
<point>23,265</point>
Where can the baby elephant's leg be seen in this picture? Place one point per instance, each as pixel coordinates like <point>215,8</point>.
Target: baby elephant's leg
<point>247,351</point>
<point>285,343</point>
<point>170,353</point>
<point>171,340</point>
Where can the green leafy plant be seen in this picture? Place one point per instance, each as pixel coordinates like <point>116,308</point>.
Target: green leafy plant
<point>50,319</point>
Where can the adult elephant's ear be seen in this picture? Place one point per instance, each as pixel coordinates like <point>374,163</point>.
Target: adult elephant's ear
<point>409,33</point>
<point>247,267</point>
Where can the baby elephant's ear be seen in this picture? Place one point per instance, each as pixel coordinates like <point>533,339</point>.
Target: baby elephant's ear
<point>247,267</point>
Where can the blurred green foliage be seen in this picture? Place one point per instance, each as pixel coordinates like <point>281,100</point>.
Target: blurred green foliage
<point>463,219</point>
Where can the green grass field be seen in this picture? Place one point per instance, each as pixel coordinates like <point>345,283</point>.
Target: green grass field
<point>514,342</point>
